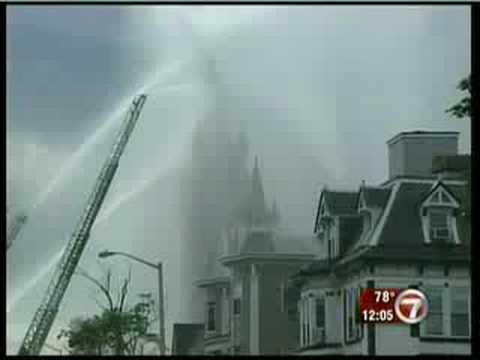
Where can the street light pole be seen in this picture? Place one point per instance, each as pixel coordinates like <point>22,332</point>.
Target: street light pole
<point>161,313</point>
<point>159,268</point>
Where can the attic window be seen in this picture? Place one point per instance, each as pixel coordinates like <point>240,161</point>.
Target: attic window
<point>439,225</point>
<point>438,218</point>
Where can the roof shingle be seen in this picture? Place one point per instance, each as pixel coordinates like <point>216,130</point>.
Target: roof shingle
<point>341,202</point>
<point>376,197</point>
<point>403,227</point>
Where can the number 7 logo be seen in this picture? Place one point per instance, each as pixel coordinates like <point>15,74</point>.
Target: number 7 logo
<point>411,306</point>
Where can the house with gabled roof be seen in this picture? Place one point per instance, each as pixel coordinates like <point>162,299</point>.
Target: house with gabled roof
<point>409,232</point>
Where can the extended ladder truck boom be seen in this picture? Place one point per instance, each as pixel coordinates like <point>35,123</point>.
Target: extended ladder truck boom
<point>45,315</point>
<point>14,227</point>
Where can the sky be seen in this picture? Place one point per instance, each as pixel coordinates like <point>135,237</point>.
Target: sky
<point>319,90</point>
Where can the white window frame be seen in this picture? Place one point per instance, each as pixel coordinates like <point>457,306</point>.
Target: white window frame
<point>352,296</point>
<point>334,241</point>
<point>322,214</point>
<point>331,239</point>
<point>212,305</point>
<point>447,313</point>
<point>309,332</point>
<point>225,311</point>
<point>469,313</point>
<point>423,325</point>
<point>431,205</point>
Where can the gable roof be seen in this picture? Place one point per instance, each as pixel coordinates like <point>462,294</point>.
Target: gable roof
<point>338,203</point>
<point>403,227</point>
<point>350,229</point>
<point>439,184</point>
<point>341,202</point>
<point>401,236</point>
<point>373,196</point>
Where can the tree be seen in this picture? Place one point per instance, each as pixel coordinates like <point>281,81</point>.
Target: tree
<point>118,329</point>
<point>463,108</point>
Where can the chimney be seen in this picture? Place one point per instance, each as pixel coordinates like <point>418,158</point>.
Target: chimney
<point>412,153</point>
<point>452,166</point>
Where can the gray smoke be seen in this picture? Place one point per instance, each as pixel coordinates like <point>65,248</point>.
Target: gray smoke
<point>316,90</point>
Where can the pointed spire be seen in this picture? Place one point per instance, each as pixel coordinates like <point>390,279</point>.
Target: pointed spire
<point>275,215</point>
<point>256,171</point>
<point>258,208</point>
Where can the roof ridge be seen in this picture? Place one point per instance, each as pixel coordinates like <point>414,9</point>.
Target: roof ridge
<point>340,191</point>
<point>375,187</point>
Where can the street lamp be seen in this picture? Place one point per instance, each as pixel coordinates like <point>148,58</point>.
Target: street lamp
<point>158,267</point>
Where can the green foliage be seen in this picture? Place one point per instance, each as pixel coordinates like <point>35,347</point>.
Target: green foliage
<point>463,108</point>
<point>116,330</point>
<point>460,110</point>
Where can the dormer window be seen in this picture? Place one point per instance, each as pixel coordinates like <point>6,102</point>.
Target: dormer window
<point>438,217</point>
<point>322,217</point>
<point>366,214</point>
<point>439,225</point>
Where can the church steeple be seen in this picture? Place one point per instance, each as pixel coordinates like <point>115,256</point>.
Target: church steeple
<point>259,237</point>
<point>258,208</point>
<point>274,214</point>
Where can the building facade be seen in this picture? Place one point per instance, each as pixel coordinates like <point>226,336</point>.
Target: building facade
<point>412,231</point>
<point>187,339</point>
<point>248,309</point>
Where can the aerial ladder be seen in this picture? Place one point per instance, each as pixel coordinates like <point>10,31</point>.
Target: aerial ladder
<point>44,317</point>
<point>14,227</point>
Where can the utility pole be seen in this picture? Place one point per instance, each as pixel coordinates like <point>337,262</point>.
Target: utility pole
<point>161,313</point>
